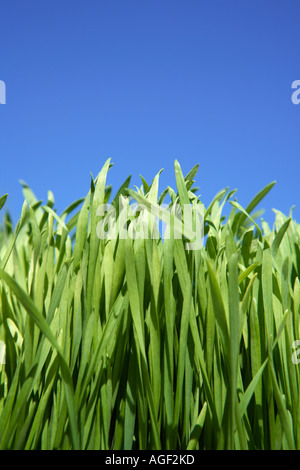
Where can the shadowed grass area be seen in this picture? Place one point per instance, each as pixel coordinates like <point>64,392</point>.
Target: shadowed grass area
<point>141,342</point>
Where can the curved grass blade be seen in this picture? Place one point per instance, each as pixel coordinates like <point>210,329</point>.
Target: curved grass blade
<point>245,214</point>
<point>196,432</point>
<point>240,218</point>
<point>278,238</point>
<point>3,200</point>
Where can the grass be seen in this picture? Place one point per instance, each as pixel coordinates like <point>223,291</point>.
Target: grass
<point>144,344</point>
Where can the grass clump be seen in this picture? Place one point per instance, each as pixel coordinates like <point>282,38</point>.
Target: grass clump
<point>139,342</point>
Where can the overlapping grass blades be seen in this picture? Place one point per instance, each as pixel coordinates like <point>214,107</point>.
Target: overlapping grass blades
<point>144,343</point>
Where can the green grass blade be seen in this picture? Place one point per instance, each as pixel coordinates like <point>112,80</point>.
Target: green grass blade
<point>196,432</point>
<point>3,200</point>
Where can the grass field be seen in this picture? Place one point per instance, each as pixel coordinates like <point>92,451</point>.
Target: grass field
<point>139,342</point>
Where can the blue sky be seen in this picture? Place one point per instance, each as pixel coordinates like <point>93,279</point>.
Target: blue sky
<point>146,82</point>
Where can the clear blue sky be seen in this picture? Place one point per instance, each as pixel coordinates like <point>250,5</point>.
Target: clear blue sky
<point>145,82</point>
